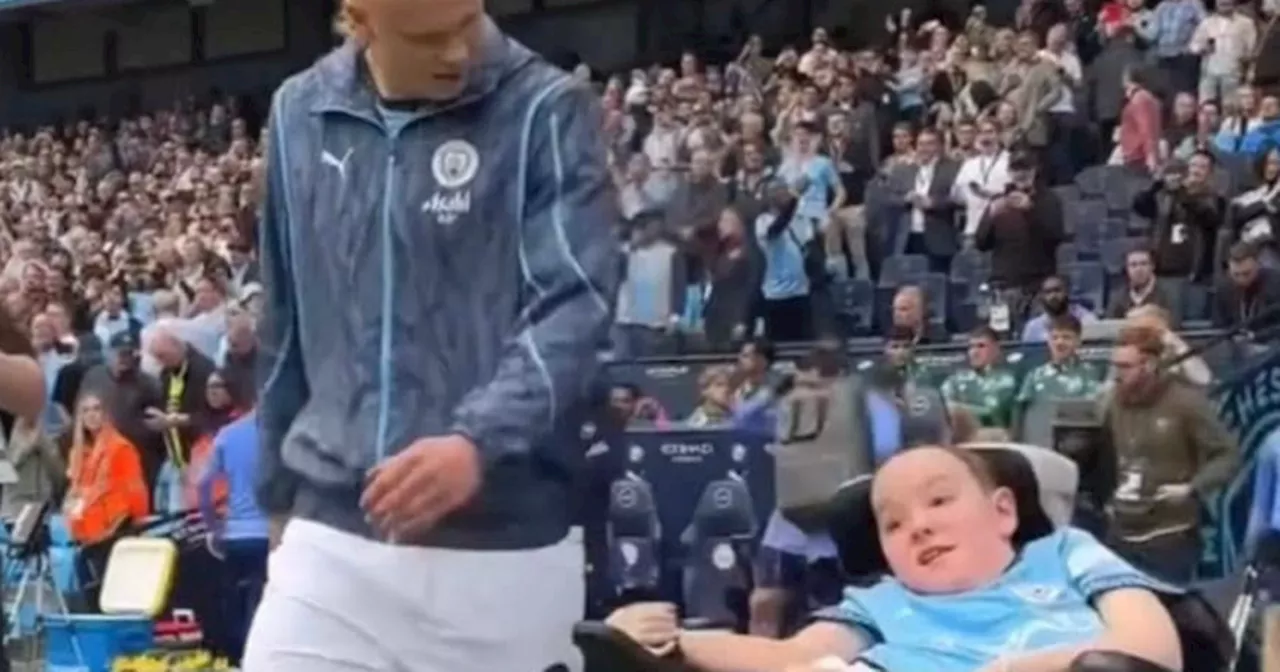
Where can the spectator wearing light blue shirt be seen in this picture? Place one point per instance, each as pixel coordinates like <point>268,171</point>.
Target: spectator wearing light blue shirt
<point>962,594</point>
<point>1173,24</point>
<point>784,237</point>
<point>241,531</point>
<point>652,294</point>
<point>910,83</point>
<point>812,176</point>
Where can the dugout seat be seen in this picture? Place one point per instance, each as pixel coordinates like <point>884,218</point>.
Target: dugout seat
<point>1206,640</point>
<point>717,573</point>
<point>634,537</point>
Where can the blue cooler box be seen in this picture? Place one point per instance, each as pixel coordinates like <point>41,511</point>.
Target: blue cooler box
<point>102,639</point>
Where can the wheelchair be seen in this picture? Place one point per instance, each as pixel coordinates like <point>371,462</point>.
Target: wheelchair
<point>1207,642</point>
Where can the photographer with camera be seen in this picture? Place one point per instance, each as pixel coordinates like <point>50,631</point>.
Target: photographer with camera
<point>1185,209</point>
<point>1021,230</point>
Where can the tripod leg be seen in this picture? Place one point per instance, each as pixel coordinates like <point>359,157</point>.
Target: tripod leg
<point>60,603</point>
<point>19,598</point>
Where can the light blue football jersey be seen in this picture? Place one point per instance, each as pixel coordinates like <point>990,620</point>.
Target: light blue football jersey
<point>1041,602</point>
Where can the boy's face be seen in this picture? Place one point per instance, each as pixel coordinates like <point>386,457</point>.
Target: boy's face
<point>718,392</point>
<point>941,531</point>
<point>1063,344</point>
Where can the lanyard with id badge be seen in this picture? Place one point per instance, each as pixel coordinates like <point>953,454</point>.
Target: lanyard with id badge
<point>1130,487</point>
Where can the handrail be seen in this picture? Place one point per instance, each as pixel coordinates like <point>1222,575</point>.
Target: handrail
<point>869,347</point>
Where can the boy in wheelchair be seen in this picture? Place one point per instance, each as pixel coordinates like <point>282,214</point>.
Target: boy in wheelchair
<point>965,592</point>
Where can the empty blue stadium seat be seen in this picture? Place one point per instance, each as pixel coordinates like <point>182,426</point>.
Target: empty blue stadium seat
<point>903,268</point>
<point>59,533</point>
<point>970,266</point>
<point>1114,253</point>
<point>1088,237</point>
<point>1115,227</point>
<point>1092,181</point>
<point>1067,193</point>
<point>935,292</point>
<point>855,303</point>
<point>63,561</point>
<point>1196,302</point>
<point>1067,255</point>
<point>1138,225</point>
<point>1088,280</point>
<point>1086,215</point>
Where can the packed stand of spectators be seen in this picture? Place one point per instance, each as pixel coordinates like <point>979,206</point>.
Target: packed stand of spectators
<point>974,183</point>
<point>128,266</point>
<point>1127,154</point>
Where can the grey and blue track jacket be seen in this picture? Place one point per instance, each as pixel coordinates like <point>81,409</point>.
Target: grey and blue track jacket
<point>451,274</point>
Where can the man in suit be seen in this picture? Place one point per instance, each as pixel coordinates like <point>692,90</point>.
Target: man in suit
<point>931,228</point>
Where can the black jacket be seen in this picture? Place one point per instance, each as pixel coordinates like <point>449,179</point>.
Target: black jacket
<point>1183,229</point>
<point>1256,308</point>
<point>1023,243</point>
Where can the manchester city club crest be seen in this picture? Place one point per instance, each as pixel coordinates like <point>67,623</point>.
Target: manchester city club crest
<point>455,164</point>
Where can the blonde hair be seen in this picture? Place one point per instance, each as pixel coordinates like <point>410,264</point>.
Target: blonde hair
<point>714,374</point>
<point>79,446</point>
<point>1148,315</point>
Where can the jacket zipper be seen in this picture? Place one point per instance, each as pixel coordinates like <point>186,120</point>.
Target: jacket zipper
<point>388,292</point>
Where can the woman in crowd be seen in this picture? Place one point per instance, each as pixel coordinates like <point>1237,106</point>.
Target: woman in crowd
<point>224,408</point>
<point>1256,213</point>
<point>107,493</point>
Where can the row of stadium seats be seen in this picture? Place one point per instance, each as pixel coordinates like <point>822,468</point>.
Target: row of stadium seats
<point>953,300</point>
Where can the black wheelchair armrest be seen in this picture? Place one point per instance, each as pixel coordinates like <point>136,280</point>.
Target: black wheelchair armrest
<point>1112,661</point>
<point>605,649</point>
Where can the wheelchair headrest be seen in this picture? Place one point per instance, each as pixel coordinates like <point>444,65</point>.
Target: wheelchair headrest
<point>725,510</point>
<point>632,509</point>
<point>1021,468</point>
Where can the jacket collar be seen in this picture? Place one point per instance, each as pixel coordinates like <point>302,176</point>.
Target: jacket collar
<point>345,85</point>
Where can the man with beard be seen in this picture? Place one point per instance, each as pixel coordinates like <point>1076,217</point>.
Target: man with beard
<point>1021,230</point>
<point>1056,302</point>
<point>1171,454</point>
<point>128,393</point>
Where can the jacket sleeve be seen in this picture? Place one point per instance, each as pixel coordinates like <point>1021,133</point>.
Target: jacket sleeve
<point>569,260</point>
<point>282,380</point>
<point>1217,456</point>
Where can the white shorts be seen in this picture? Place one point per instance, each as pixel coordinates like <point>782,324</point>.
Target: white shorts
<point>335,602</point>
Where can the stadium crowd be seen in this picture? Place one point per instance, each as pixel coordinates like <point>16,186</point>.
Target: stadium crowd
<point>129,269</point>
<point>997,183</point>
